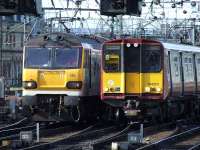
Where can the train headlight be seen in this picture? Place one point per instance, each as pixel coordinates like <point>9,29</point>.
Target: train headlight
<point>147,89</point>
<point>74,85</point>
<point>158,89</point>
<point>29,84</point>
<point>106,90</point>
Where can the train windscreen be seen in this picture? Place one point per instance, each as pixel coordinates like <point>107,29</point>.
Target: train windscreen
<point>145,58</point>
<point>37,58</point>
<point>112,58</point>
<point>67,58</point>
<point>151,58</point>
<point>52,58</point>
<point>132,58</point>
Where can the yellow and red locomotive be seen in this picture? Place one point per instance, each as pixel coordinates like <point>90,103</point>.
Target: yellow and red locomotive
<point>61,74</point>
<point>150,78</point>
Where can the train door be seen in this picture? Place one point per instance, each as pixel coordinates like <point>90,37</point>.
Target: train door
<point>132,62</point>
<point>188,72</point>
<point>87,73</point>
<point>94,72</point>
<point>175,66</point>
<point>197,61</point>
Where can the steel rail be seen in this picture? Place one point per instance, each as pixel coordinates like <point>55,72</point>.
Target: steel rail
<point>171,139</point>
<point>11,133</point>
<point>112,137</point>
<point>101,135</point>
<point>102,140</point>
<point>195,147</point>
<point>56,142</point>
<point>16,124</point>
<point>80,140</point>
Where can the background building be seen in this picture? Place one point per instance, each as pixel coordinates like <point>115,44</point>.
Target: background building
<point>14,32</point>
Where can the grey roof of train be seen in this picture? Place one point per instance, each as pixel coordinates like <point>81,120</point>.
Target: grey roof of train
<point>181,47</point>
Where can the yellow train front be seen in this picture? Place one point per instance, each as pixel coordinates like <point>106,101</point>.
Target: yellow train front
<point>59,74</point>
<point>146,78</point>
<point>132,75</point>
<point>150,79</point>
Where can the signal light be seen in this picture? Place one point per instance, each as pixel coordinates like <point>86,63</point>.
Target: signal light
<point>120,7</point>
<point>20,7</point>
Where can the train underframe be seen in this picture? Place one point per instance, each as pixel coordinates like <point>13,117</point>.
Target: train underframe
<point>173,108</point>
<point>63,108</point>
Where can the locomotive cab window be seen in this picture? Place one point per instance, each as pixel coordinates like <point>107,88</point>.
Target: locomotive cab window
<point>37,58</point>
<point>67,58</point>
<point>58,58</point>
<point>112,58</point>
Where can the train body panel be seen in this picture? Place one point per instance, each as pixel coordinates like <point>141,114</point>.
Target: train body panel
<point>51,79</point>
<point>135,84</point>
<point>114,82</point>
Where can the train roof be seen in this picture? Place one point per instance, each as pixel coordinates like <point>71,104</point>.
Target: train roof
<point>170,46</point>
<point>66,40</point>
<point>92,41</point>
<point>54,39</point>
<point>131,40</point>
<point>181,47</point>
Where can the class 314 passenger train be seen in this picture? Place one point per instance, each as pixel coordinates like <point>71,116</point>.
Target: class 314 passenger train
<point>141,77</point>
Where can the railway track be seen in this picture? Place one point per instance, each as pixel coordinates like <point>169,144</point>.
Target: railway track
<point>89,139</point>
<point>121,137</point>
<point>195,147</point>
<point>19,123</point>
<point>95,140</point>
<point>59,140</point>
<point>12,135</point>
<point>159,131</point>
<point>74,137</point>
<point>91,144</point>
<point>171,142</point>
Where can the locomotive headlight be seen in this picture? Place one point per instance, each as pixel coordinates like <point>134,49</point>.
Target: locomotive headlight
<point>74,85</point>
<point>106,89</point>
<point>29,84</point>
<point>158,89</point>
<point>147,89</point>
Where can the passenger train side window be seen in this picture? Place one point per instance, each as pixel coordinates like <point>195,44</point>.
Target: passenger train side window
<point>198,66</point>
<point>188,67</point>
<point>151,58</point>
<point>176,64</point>
<point>86,59</point>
